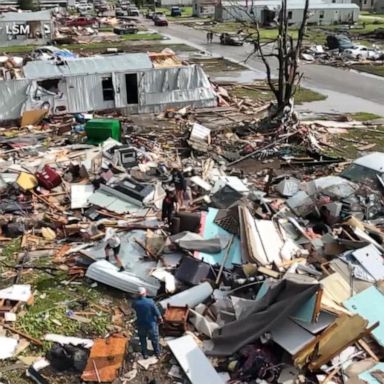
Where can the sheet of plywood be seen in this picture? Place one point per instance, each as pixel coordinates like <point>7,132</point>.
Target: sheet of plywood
<point>195,364</point>
<point>342,333</point>
<point>106,357</point>
<point>33,117</point>
<point>335,288</point>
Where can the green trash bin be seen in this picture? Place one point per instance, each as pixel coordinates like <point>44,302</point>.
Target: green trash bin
<point>99,130</point>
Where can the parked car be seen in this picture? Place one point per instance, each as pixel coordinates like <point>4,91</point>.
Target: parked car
<point>157,14</point>
<point>227,39</point>
<point>120,12</point>
<point>360,52</point>
<point>134,12</point>
<point>175,11</point>
<point>340,42</point>
<point>125,5</point>
<point>125,29</point>
<point>161,21</point>
<point>82,22</point>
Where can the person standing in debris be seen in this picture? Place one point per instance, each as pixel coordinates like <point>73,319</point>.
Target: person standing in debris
<point>180,185</point>
<point>169,204</point>
<point>112,244</point>
<point>148,318</point>
<point>208,35</point>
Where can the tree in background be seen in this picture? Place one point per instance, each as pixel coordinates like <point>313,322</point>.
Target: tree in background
<point>283,49</point>
<point>27,5</point>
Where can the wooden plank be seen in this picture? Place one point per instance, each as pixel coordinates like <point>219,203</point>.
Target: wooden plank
<point>30,338</point>
<point>108,356</point>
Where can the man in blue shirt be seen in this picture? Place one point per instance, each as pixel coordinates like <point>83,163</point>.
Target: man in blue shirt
<point>148,317</point>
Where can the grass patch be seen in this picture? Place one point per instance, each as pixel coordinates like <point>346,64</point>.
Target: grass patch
<point>143,36</point>
<point>350,142</point>
<point>48,314</point>
<point>303,95</point>
<point>19,49</point>
<point>234,27</point>
<point>365,116</point>
<point>215,65</point>
<point>186,12</point>
<point>377,70</point>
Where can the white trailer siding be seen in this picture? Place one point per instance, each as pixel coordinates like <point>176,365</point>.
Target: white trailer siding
<point>319,13</point>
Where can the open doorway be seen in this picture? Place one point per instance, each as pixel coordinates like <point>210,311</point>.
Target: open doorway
<point>131,85</point>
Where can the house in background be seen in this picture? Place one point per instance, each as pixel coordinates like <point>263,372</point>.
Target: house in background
<point>203,8</point>
<point>378,6</point>
<point>133,83</point>
<point>25,28</point>
<point>365,5</point>
<point>266,12</point>
<point>42,3</point>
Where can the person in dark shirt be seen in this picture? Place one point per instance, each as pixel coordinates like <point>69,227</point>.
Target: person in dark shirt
<point>169,204</point>
<point>148,317</point>
<point>180,185</point>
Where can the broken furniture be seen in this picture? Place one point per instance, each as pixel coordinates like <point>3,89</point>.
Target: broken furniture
<point>175,321</point>
<point>106,359</point>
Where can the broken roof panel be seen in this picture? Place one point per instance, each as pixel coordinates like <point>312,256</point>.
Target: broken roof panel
<point>193,361</point>
<point>106,273</point>
<point>369,304</point>
<point>88,65</point>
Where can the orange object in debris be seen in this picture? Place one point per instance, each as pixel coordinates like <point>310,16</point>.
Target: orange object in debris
<point>105,359</point>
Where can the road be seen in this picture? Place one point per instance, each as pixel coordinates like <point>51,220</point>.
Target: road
<point>348,91</point>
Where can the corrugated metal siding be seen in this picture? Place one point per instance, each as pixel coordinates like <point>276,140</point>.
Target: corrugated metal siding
<point>182,86</point>
<point>87,66</point>
<point>13,94</point>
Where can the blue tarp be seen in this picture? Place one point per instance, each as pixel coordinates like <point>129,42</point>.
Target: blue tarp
<point>211,230</point>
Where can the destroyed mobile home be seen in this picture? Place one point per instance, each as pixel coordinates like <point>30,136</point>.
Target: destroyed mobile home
<point>135,83</point>
<point>258,276</point>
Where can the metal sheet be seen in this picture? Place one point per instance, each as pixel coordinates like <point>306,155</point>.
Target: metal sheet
<point>291,336</point>
<point>190,297</point>
<point>106,273</point>
<point>324,320</point>
<point>372,260</point>
<point>114,204</point>
<point>370,305</point>
<point>195,364</point>
<point>88,65</point>
<point>269,242</point>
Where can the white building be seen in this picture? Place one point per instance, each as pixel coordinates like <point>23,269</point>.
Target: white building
<point>203,8</point>
<point>25,28</point>
<point>266,11</point>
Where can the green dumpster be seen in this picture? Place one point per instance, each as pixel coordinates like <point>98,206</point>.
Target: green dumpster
<point>99,130</point>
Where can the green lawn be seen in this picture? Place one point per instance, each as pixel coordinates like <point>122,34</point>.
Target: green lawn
<point>365,116</point>
<point>185,12</point>
<point>377,70</point>
<point>234,27</point>
<point>303,95</point>
<point>100,45</point>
